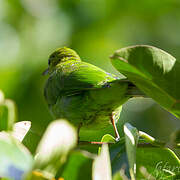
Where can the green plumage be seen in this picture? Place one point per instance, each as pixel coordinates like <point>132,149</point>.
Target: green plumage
<point>83,93</point>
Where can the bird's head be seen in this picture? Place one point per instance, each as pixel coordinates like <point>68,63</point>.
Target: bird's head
<point>60,55</point>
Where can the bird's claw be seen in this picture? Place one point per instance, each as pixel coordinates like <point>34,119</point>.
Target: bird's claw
<point>117,139</point>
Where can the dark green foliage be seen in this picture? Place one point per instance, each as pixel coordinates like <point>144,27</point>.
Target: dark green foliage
<point>136,155</point>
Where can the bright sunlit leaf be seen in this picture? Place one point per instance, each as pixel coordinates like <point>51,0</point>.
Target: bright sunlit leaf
<point>1,97</point>
<point>59,138</point>
<point>102,165</point>
<point>20,129</point>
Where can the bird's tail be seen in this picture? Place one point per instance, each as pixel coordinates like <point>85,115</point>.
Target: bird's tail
<point>132,90</point>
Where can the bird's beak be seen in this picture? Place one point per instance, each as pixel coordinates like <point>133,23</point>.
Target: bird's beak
<point>45,72</point>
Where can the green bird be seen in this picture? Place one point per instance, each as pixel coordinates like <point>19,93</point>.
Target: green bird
<point>84,94</point>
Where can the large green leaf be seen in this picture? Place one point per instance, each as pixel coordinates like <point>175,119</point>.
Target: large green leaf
<point>154,71</point>
<point>147,158</point>
<point>158,163</point>
<point>15,160</point>
<point>151,163</point>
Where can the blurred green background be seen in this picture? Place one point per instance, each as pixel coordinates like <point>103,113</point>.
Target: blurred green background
<point>31,29</point>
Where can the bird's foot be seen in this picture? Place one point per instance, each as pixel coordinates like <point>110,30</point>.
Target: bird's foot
<point>115,128</point>
<point>117,139</point>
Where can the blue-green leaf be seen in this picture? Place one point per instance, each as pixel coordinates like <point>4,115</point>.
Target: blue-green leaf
<point>131,140</point>
<point>15,159</point>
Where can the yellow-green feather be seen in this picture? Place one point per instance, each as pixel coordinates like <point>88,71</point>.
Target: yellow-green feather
<point>81,92</point>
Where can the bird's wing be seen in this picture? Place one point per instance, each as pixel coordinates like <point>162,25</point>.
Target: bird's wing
<point>83,77</point>
<point>69,80</point>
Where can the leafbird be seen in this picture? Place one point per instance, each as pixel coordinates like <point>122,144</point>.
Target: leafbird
<point>84,94</point>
